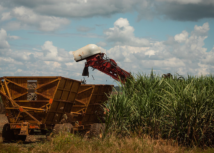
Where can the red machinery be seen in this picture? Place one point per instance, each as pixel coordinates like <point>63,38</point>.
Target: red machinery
<point>97,60</point>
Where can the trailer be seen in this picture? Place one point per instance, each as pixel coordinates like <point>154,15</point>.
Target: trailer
<point>87,114</point>
<point>35,103</point>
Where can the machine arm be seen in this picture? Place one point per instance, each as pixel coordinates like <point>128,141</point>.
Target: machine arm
<point>107,66</point>
<point>97,60</point>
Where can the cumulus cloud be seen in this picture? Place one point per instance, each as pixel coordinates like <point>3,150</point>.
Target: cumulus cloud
<point>143,59</point>
<point>184,10</point>
<point>50,51</point>
<point>202,30</point>
<point>1,9</point>
<point>28,18</point>
<point>122,33</point>
<point>76,8</point>
<point>4,45</point>
<point>102,44</point>
<point>193,47</point>
<point>184,54</point>
<point>36,62</point>
<point>181,37</point>
<point>5,16</point>
<point>14,37</point>
<point>209,59</point>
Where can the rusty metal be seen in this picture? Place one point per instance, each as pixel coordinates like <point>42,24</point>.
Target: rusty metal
<point>88,107</point>
<point>24,128</point>
<point>55,96</point>
<point>106,65</point>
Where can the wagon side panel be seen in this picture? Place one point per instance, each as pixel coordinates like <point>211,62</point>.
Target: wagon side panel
<point>63,100</point>
<point>95,110</point>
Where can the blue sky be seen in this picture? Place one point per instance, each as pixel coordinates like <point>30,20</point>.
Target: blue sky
<point>38,37</point>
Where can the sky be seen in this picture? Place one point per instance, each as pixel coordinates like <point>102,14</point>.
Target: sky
<point>37,37</point>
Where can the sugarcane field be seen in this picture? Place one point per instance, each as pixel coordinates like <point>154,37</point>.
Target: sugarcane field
<point>164,113</point>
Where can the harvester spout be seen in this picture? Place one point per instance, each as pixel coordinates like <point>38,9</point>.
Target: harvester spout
<point>85,52</point>
<point>97,60</point>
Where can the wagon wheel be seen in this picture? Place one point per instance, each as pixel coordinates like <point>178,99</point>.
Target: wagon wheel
<point>8,134</point>
<point>21,137</point>
<point>97,130</point>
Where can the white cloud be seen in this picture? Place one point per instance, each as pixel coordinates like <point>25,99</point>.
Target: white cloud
<point>184,53</point>
<point>190,57</point>
<point>19,70</point>
<point>4,45</point>
<point>192,10</point>
<point>27,18</point>
<point>56,65</point>
<point>209,59</point>
<point>79,8</point>
<point>50,51</point>
<point>122,33</point>
<point>202,30</point>
<point>181,37</point>
<point>150,53</point>
<point>140,59</point>
<point>6,16</point>
<point>14,37</point>
<point>2,8</point>
<point>15,25</point>
<point>102,44</point>
<point>3,34</point>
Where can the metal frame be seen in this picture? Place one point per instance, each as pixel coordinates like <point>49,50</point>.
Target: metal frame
<point>56,96</point>
<point>89,100</point>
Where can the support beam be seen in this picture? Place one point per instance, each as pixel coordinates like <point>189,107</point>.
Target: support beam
<point>20,95</point>
<point>43,95</point>
<point>16,84</point>
<point>85,90</point>
<point>47,84</point>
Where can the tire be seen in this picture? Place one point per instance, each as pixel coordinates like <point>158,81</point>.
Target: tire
<point>97,130</point>
<point>21,138</point>
<point>8,134</point>
<point>44,132</point>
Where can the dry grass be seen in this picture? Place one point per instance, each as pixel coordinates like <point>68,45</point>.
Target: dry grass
<point>69,143</point>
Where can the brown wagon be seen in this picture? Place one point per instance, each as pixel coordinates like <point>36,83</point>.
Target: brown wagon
<point>87,112</point>
<point>35,103</point>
